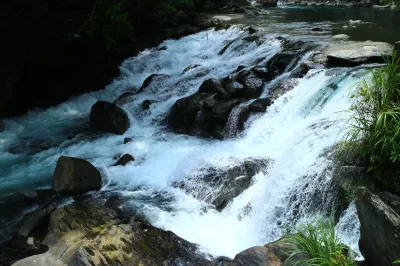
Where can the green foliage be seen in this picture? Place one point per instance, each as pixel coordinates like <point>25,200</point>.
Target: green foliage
<point>374,131</point>
<point>320,244</point>
<point>396,262</point>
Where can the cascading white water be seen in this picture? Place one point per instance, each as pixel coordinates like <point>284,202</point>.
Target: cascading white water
<point>295,132</point>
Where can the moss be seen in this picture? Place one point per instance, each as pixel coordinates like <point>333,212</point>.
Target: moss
<point>89,251</point>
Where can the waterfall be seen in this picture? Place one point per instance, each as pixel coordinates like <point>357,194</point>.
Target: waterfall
<point>295,134</point>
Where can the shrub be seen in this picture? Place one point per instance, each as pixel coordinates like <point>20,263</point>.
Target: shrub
<point>374,131</point>
<point>320,244</point>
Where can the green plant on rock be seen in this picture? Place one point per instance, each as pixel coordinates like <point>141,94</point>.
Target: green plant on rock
<point>374,131</point>
<point>396,262</point>
<point>319,245</point>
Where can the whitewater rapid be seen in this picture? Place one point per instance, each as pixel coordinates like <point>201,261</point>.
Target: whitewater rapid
<point>295,133</point>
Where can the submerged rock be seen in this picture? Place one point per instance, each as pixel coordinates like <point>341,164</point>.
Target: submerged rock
<point>220,185</point>
<point>124,160</point>
<point>81,216</point>
<point>380,229</point>
<point>126,97</point>
<point>154,78</point>
<point>358,53</point>
<point>74,176</point>
<point>127,140</point>
<point>108,117</point>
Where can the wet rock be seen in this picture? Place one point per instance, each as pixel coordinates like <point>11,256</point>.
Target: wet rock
<point>190,68</point>
<point>253,87</point>
<point>220,185</point>
<point>136,243</point>
<point>154,78</point>
<point>81,216</point>
<point>183,115</point>
<point>35,220</point>
<point>126,97</point>
<point>222,110</point>
<point>240,10</point>
<point>235,89</point>
<point>242,75</point>
<point>40,195</point>
<point>317,29</point>
<point>252,30</point>
<point>214,86</point>
<point>358,53</point>
<point>212,100</point>
<point>127,140</point>
<point>393,201</point>
<point>308,65</point>
<point>146,104</point>
<point>261,72</point>
<point>283,87</point>
<point>261,105</point>
<point>108,117</point>
<point>74,176</point>
<point>280,63</point>
<point>257,256</point>
<point>124,160</point>
<point>222,261</point>
<point>380,229</point>
<point>226,47</point>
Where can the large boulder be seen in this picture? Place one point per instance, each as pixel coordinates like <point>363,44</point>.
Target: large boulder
<point>74,176</point>
<point>108,117</point>
<point>136,243</point>
<point>253,87</point>
<point>183,115</point>
<point>358,53</point>
<point>81,216</point>
<point>222,110</point>
<point>214,86</point>
<point>380,229</point>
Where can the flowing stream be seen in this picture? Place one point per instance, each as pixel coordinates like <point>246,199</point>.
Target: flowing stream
<point>295,135</point>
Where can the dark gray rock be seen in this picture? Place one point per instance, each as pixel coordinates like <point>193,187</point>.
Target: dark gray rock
<point>260,71</point>
<point>255,256</point>
<point>266,3</point>
<point>252,30</point>
<point>154,78</point>
<point>380,229</point>
<point>220,185</point>
<point>390,199</point>
<point>127,140</point>
<point>222,261</point>
<point>35,220</point>
<point>74,176</point>
<point>183,115</point>
<point>260,105</point>
<point>253,87</point>
<point>212,100</point>
<point>317,29</point>
<point>280,63</point>
<point>239,3</point>
<point>40,195</point>
<point>146,104</point>
<point>222,110</point>
<point>108,117</point>
<point>214,86</point>
<point>235,89</point>
<point>126,97</point>
<point>190,68</point>
<point>1,125</point>
<point>124,160</point>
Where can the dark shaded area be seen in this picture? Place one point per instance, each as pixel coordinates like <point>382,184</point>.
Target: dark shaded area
<point>55,49</point>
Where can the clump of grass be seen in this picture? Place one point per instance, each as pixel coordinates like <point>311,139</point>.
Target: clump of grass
<point>319,245</point>
<point>374,130</point>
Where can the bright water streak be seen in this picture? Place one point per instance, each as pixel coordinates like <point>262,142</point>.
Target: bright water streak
<point>297,129</point>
